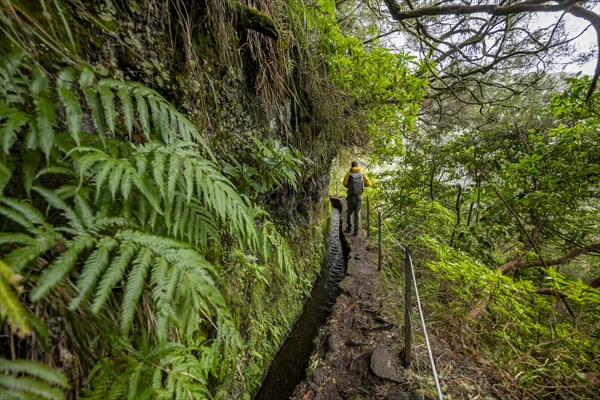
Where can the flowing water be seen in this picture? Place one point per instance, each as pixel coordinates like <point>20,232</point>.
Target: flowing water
<point>289,366</point>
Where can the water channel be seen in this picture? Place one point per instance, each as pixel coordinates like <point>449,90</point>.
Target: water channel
<point>289,366</point>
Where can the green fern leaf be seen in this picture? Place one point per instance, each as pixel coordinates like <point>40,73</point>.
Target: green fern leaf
<point>83,208</point>
<point>188,173</point>
<point>126,182</point>
<point>160,281</point>
<point>45,121</point>
<point>86,82</point>
<point>115,178</point>
<point>134,382</point>
<point>54,170</point>
<point>143,114</point>
<point>24,256</point>
<point>104,173</point>
<point>35,369</point>
<point>60,267</point>
<point>10,306</point>
<point>155,113</point>
<point>152,198</point>
<point>93,268</point>
<point>127,109</point>
<point>73,111</point>
<point>168,136</point>
<point>107,98</point>
<point>6,173</point>
<point>58,203</point>
<point>11,127</point>
<point>27,386</point>
<point>135,287</point>
<point>31,214</point>
<point>16,238</point>
<point>113,275</point>
<point>158,172</point>
<point>173,176</point>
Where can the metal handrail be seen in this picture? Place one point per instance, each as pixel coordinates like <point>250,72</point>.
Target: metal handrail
<point>410,274</point>
<point>431,360</point>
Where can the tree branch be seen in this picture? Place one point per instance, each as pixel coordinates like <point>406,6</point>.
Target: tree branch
<point>529,6</point>
<point>593,248</point>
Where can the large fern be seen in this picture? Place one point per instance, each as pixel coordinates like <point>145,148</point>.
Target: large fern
<point>117,224</point>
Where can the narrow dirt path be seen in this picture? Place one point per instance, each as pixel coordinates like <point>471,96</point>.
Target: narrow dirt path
<point>357,349</point>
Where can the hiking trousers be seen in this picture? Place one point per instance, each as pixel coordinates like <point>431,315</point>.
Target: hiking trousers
<point>354,202</point>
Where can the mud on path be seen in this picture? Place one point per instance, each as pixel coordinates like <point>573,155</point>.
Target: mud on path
<point>358,351</point>
<point>359,337</point>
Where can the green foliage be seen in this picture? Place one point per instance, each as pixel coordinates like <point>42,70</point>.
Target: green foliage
<point>22,379</point>
<point>519,324</point>
<point>11,309</point>
<point>482,207</point>
<point>381,90</point>
<point>123,228</point>
<point>263,167</point>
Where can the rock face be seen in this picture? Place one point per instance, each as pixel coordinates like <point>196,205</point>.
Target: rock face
<point>385,363</point>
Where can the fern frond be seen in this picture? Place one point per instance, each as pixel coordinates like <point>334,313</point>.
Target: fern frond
<point>135,287</point>
<point>6,172</point>
<point>107,98</point>
<point>54,170</point>
<point>35,369</point>
<point>173,176</point>
<point>28,386</point>
<point>126,109</point>
<point>60,267</point>
<point>45,121</point>
<point>167,134</point>
<point>14,86</point>
<point>93,268</point>
<point>10,306</point>
<point>58,203</point>
<point>113,274</point>
<point>143,114</point>
<point>83,208</point>
<point>158,172</point>
<point>161,279</point>
<point>31,214</point>
<point>86,82</point>
<point>68,98</point>
<point>31,379</point>
<point>10,128</point>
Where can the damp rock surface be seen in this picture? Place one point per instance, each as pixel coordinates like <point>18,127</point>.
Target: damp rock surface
<point>385,363</point>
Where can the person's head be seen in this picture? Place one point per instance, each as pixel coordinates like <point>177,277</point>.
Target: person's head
<point>354,163</point>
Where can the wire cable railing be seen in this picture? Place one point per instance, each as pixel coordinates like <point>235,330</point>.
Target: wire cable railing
<point>431,360</point>
<point>410,283</point>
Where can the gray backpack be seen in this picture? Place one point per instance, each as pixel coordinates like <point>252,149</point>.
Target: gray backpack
<point>356,183</point>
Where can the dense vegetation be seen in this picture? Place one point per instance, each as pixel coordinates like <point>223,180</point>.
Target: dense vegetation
<point>143,201</point>
<point>163,170</point>
<point>506,222</point>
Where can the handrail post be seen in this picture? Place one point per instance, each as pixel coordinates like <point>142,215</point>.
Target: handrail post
<point>379,241</point>
<point>368,216</point>
<point>407,309</point>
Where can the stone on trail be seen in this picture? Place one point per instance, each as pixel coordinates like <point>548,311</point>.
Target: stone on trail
<point>385,363</point>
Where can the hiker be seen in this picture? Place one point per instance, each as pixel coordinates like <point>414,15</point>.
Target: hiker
<point>356,182</point>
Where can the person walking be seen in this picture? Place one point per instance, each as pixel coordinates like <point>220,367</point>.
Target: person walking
<point>356,182</point>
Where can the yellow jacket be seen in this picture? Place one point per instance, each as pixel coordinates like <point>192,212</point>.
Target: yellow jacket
<point>355,170</point>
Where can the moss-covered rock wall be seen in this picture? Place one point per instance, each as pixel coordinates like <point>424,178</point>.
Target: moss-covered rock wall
<point>250,75</point>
